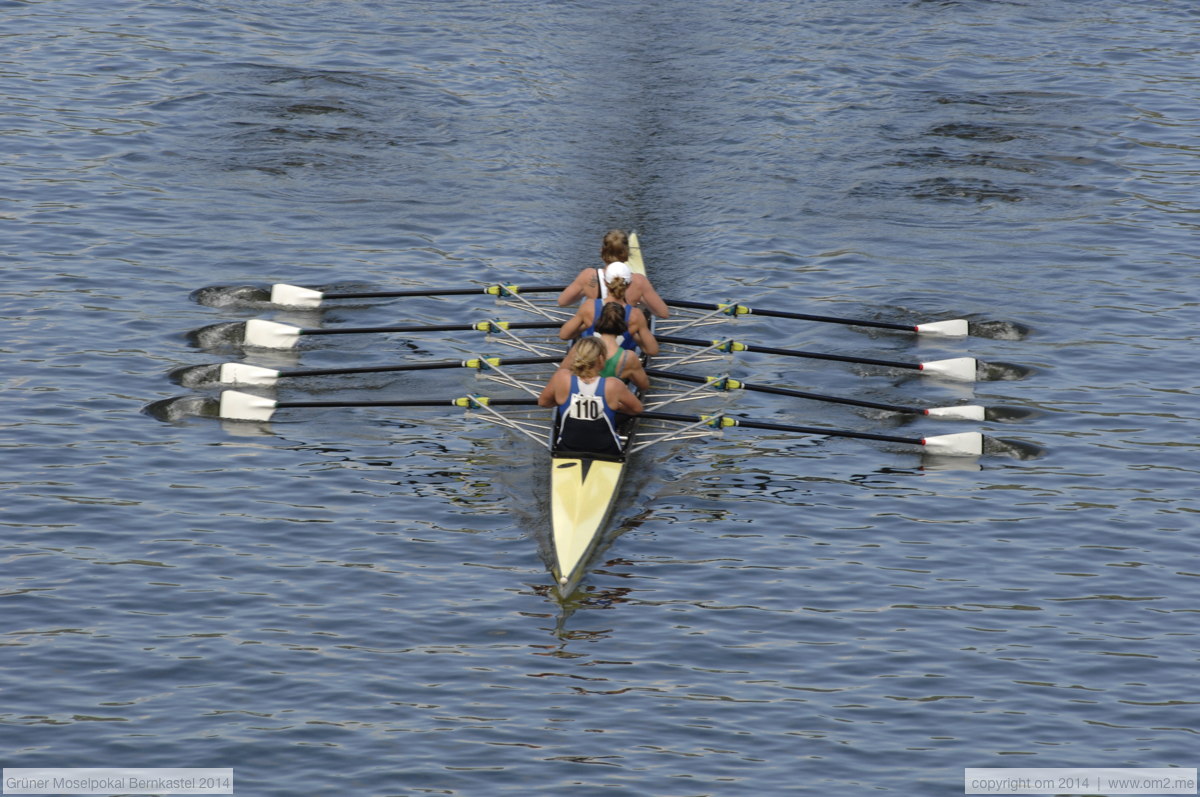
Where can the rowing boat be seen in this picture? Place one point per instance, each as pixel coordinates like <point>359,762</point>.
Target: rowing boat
<point>584,488</point>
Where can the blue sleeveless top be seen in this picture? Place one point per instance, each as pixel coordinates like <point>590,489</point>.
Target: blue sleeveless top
<point>627,341</point>
<point>587,423</point>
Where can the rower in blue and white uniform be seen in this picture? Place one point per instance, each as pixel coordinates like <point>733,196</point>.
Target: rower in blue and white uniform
<point>620,362</point>
<point>637,334</point>
<point>588,403</point>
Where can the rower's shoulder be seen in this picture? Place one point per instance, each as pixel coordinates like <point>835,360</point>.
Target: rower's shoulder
<point>585,274</point>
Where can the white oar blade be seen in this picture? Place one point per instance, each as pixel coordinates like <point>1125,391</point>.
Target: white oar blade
<point>960,368</point>
<point>966,412</point>
<point>954,328</point>
<point>239,406</point>
<point>270,334</point>
<point>246,374</point>
<point>295,296</point>
<point>963,444</point>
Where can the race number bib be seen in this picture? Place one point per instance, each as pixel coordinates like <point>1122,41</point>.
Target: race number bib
<point>586,408</point>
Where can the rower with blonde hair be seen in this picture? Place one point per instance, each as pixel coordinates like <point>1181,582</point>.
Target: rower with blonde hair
<point>587,402</point>
<point>592,283</point>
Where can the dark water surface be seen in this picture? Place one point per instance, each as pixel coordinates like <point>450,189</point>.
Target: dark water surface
<point>354,602</point>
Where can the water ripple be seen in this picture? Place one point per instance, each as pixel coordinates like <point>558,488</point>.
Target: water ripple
<point>356,601</point>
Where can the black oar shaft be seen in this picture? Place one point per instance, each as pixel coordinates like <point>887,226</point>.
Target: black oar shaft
<point>513,402</point>
<point>384,369</point>
<point>402,294</point>
<point>812,355</point>
<point>858,322</point>
<point>378,369</point>
<point>783,427</point>
<point>785,391</point>
<point>409,328</point>
<point>424,328</point>
<point>436,292</point>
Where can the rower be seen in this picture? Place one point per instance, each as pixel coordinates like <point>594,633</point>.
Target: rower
<point>619,361</point>
<point>636,333</point>
<point>587,402</point>
<point>591,282</point>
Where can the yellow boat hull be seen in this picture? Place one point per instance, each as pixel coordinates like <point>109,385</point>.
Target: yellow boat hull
<point>583,491</point>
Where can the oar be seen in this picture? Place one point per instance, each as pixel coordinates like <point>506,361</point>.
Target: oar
<point>956,327</point>
<point>273,335</point>
<point>960,368</point>
<point>295,296</point>
<point>246,374</point>
<point>239,406</point>
<point>962,444</point>
<point>235,405</point>
<point>967,412</point>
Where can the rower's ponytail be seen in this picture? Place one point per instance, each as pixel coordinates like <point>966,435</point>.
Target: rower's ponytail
<point>611,320</point>
<point>616,288</point>
<point>615,247</point>
<point>590,355</point>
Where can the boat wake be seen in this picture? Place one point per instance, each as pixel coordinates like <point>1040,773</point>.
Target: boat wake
<point>999,330</point>
<point>251,296</point>
<point>1005,414</point>
<point>225,336</point>
<point>181,408</point>
<point>1015,449</point>
<point>197,375</point>
<point>1002,372</point>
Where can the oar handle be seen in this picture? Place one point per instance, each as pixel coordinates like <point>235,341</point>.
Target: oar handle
<point>829,319</point>
<point>534,325</point>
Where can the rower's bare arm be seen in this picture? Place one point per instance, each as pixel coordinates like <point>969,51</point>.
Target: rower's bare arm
<point>653,301</point>
<point>645,338</point>
<point>569,360</point>
<point>577,289</point>
<point>637,374</point>
<point>648,342</point>
<point>572,326</point>
<point>625,402</point>
<point>547,398</point>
